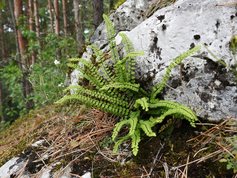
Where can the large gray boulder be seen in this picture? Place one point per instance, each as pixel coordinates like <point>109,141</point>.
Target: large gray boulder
<point>130,14</point>
<point>203,82</point>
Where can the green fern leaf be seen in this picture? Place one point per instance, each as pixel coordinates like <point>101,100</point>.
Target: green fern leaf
<point>121,86</point>
<point>143,102</point>
<point>135,54</point>
<point>98,53</point>
<point>119,142</point>
<point>98,95</point>
<point>174,112</point>
<point>136,138</point>
<point>127,43</point>
<point>92,102</point>
<point>111,35</point>
<point>160,86</point>
<point>132,121</point>
<point>74,59</point>
<point>173,105</point>
<point>91,73</point>
<point>146,127</point>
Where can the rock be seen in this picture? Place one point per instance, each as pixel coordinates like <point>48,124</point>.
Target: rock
<point>12,167</point>
<point>46,172</point>
<point>86,175</point>
<point>125,18</point>
<point>38,143</point>
<point>202,83</point>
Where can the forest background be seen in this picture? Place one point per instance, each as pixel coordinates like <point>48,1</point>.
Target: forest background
<point>36,38</point>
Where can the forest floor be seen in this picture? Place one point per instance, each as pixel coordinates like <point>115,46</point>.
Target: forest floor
<point>80,138</point>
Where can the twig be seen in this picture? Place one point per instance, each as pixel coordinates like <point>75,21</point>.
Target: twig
<point>185,172</point>
<point>75,175</point>
<point>203,149</point>
<point>21,171</point>
<point>224,148</point>
<point>147,174</point>
<point>154,161</point>
<point>166,170</point>
<point>199,160</point>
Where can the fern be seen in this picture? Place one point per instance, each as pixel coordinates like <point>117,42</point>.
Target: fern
<point>143,102</point>
<point>121,86</point>
<point>160,86</point>
<point>101,96</point>
<point>111,37</point>
<point>103,105</point>
<point>98,53</point>
<point>115,90</point>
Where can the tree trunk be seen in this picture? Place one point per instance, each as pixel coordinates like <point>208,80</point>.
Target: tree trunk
<point>64,17</point>
<point>31,24</point>
<point>78,25</point>
<point>98,12</point>
<point>2,61</point>
<point>50,15</point>
<point>30,15</point>
<point>25,63</point>
<point>11,8</point>
<point>2,39</point>
<point>36,14</point>
<point>21,41</point>
<point>56,17</point>
<point>2,119</point>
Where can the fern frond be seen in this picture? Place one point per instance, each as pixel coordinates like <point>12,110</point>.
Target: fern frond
<point>111,36</point>
<point>122,86</point>
<point>91,73</point>
<point>146,127</point>
<point>74,59</point>
<point>175,112</point>
<point>119,142</point>
<point>143,102</point>
<point>132,121</point>
<point>92,102</point>
<point>135,54</point>
<point>173,105</point>
<point>160,86</point>
<point>120,71</point>
<point>99,95</point>
<point>129,58</point>
<point>73,66</point>
<point>136,138</point>
<point>134,132</point>
<point>130,74</point>
<point>107,72</point>
<point>128,46</point>
<point>98,53</point>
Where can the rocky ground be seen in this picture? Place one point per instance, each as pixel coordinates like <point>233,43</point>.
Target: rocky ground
<point>74,142</point>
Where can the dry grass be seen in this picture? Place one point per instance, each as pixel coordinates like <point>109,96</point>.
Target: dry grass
<point>73,135</point>
<point>210,144</point>
<point>65,134</point>
<point>21,133</point>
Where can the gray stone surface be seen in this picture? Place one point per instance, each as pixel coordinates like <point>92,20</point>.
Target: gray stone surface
<point>202,84</point>
<point>12,167</point>
<point>125,18</point>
